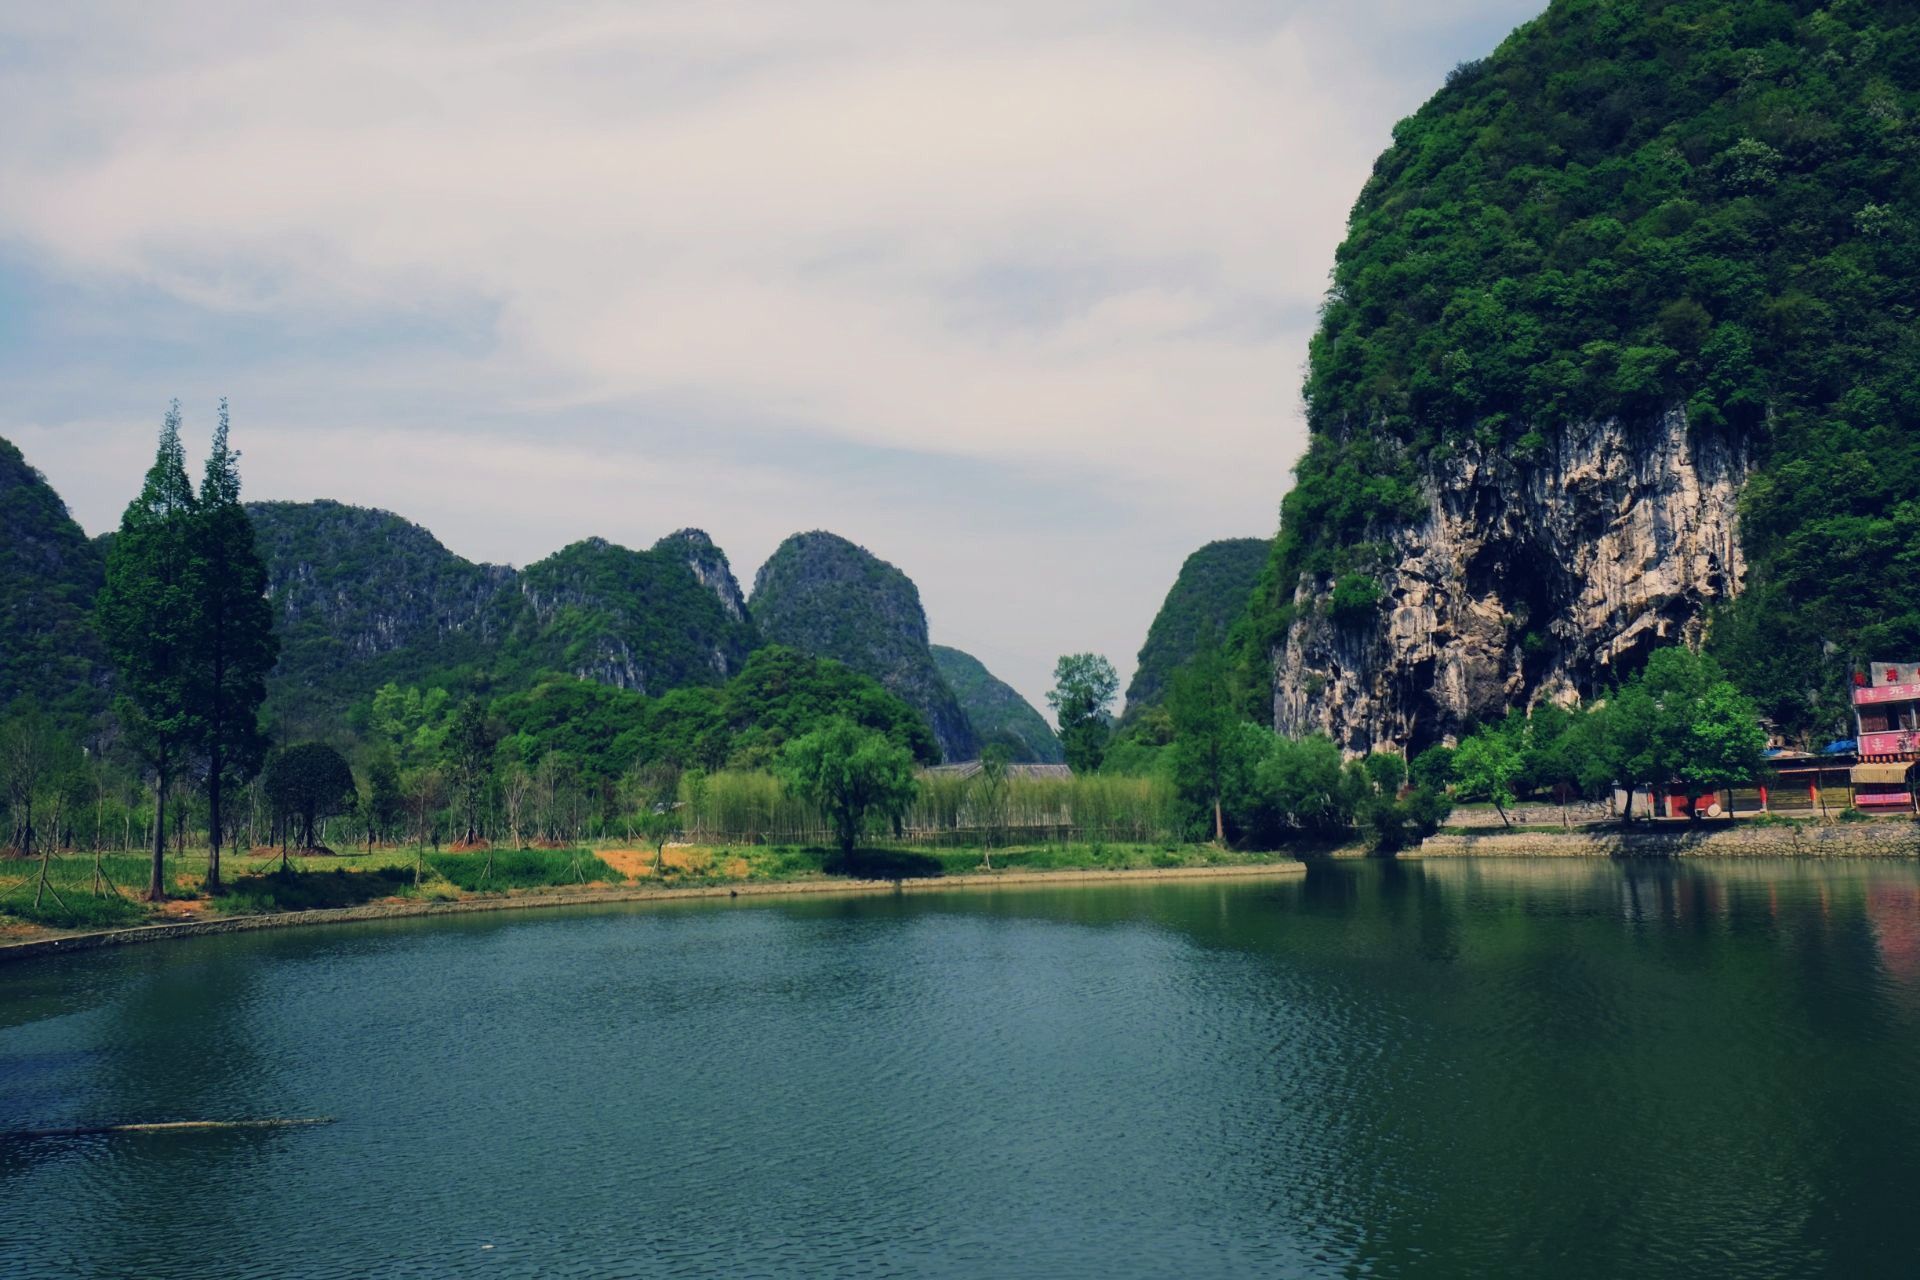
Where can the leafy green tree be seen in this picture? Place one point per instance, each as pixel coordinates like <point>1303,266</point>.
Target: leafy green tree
<point>1433,768</point>
<point>425,789</point>
<point>1084,686</point>
<point>654,791</point>
<point>990,788</point>
<point>1705,733</point>
<point>412,723</point>
<point>308,781</point>
<point>42,771</point>
<point>848,772</point>
<point>1489,764</point>
<point>149,614</point>
<point>1206,734</point>
<point>32,754</point>
<point>1293,787</point>
<point>1624,738</point>
<point>235,646</point>
<point>1391,814</point>
<point>471,742</point>
<point>384,802</point>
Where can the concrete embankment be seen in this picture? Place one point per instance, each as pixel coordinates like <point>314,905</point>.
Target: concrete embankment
<point>1878,839</point>
<point>746,889</point>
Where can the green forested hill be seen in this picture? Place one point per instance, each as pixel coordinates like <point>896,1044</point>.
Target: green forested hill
<point>825,596</point>
<point>49,573</point>
<point>364,597</point>
<point>1635,205</point>
<point>637,619</point>
<point>1210,592</point>
<point>996,710</point>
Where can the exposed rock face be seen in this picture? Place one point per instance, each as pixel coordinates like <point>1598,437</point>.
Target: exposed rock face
<point>1526,580</point>
<point>823,595</point>
<point>644,620</point>
<point>996,710</point>
<point>710,568</point>
<point>362,584</point>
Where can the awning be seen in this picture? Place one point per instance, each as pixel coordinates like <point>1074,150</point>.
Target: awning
<point>1882,773</point>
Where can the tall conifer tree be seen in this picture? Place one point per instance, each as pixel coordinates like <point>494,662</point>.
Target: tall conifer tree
<point>149,616</point>
<point>236,647</point>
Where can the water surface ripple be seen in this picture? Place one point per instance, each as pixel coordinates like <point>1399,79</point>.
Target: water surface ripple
<point>1468,1069</point>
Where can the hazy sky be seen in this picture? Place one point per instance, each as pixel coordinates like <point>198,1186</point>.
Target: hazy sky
<point>1016,295</point>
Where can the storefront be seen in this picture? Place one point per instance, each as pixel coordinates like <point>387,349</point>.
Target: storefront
<point>1884,787</point>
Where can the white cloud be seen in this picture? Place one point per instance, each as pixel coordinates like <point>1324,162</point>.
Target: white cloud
<point>1073,236</point>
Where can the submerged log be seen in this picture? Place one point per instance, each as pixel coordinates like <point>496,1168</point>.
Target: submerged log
<point>167,1126</point>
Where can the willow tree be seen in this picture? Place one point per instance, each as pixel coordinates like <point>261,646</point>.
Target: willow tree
<point>848,771</point>
<point>149,615</point>
<point>235,645</point>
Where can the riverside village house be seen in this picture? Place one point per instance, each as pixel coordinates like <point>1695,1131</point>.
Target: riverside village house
<point>1886,709</point>
<point>1873,771</point>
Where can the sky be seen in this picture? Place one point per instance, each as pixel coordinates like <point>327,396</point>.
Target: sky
<point>1016,295</point>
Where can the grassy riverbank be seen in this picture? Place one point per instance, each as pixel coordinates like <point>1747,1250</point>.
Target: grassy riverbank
<point>79,899</point>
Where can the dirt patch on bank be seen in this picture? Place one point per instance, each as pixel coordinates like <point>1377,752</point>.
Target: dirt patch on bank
<point>637,864</point>
<point>631,863</point>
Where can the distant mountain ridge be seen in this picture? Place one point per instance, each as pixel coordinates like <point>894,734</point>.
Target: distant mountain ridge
<point>362,597</point>
<point>997,711</point>
<point>1211,591</point>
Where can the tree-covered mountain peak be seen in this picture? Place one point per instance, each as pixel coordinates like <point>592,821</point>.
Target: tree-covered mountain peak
<point>824,595</point>
<point>1692,212</point>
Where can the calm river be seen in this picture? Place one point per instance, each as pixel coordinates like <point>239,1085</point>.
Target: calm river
<point>1464,1069</point>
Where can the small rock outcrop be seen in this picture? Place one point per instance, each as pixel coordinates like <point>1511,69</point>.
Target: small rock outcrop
<point>710,567</point>
<point>1525,580</point>
<point>826,596</point>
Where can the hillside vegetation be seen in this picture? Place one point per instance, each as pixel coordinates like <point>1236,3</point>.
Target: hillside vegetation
<point>49,573</point>
<point>1629,208</point>
<point>824,595</point>
<point>1209,595</point>
<point>365,597</point>
<point>997,712</point>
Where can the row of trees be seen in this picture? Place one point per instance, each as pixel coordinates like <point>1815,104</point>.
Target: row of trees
<point>185,619</point>
<point>1679,723</point>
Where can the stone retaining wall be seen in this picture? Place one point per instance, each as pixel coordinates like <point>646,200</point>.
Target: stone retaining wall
<point>1877,839</point>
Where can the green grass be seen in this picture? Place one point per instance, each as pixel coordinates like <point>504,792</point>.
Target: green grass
<point>71,879</point>
<point>312,890</point>
<point>257,885</point>
<point>521,869</point>
<point>784,862</point>
<point>82,910</point>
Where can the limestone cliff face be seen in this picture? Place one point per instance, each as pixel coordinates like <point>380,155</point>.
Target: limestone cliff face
<point>710,569</point>
<point>1526,579</point>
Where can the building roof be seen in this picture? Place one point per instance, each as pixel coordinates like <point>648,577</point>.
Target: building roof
<point>968,768</point>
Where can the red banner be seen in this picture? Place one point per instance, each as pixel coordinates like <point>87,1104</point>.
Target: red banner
<point>1898,743</point>
<point>1865,694</point>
